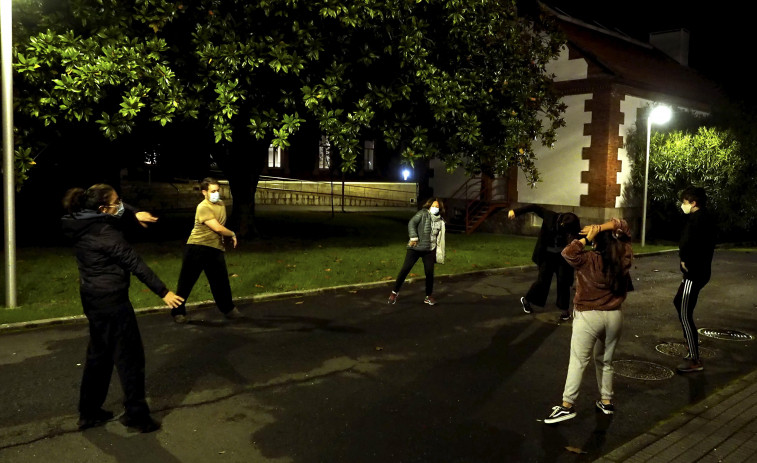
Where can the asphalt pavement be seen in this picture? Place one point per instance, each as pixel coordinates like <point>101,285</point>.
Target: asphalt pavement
<point>340,376</point>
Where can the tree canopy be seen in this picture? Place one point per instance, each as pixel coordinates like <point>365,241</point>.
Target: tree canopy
<point>461,80</point>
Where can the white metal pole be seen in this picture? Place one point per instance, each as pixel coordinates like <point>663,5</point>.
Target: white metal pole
<point>9,190</point>
<point>646,183</point>
<point>8,152</point>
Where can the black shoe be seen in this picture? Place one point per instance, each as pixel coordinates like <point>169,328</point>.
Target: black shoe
<point>560,413</point>
<point>144,425</point>
<point>233,314</point>
<point>180,319</point>
<point>97,418</point>
<point>392,298</point>
<point>690,366</point>
<point>526,305</point>
<point>607,409</point>
<point>565,316</point>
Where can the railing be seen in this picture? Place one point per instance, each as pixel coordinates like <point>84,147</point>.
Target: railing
<point>480,202</point>
<point>352,190</point>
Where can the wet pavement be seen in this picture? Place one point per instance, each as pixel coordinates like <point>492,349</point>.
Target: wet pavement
<point>340,376</point>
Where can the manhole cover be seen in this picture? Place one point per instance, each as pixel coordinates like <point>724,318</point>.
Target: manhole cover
<point>639,369</point>
<point>679,349</point>
<point>726,335</point>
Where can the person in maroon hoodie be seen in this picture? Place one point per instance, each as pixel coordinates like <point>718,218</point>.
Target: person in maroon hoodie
<point>602,282</point>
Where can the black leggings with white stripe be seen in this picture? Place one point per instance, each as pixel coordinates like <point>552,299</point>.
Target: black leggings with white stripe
<point>685,301</point>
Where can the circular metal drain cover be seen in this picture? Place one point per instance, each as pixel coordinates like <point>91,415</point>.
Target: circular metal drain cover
<point>725,335</point>
<point>638,369</point>
<point>679,349</point>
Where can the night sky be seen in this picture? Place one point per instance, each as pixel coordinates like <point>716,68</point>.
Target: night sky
<point>721,45</point>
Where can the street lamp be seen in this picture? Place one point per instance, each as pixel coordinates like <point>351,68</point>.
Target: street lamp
<point>659,115</point>
<point>9,189</point>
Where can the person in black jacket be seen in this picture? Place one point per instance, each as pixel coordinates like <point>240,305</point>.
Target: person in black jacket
<point>557,230</point>
<point>696,249</point>
<point>106,262</point>
<point>427,240</point>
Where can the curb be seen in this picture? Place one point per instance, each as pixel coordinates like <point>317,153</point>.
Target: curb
<point>627,451</point>
<point>75,319</point>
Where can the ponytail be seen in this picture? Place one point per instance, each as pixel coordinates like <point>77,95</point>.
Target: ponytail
<point>77,199</point>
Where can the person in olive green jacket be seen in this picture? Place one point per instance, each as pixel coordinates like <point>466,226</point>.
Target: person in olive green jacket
<point>204,252</point>
<point>426,230</point>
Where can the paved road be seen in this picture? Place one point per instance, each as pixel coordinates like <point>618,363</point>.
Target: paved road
<point>343,377</point>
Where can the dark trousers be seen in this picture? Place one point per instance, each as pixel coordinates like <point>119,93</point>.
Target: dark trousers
<point>114,339</point>
<point>552,264</point>
<point>685,301</point>
<point>412,256</point>
<point>198,259</point>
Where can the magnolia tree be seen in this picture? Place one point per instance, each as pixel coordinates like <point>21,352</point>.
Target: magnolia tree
<point>707,156</point>
<point>460,80</point>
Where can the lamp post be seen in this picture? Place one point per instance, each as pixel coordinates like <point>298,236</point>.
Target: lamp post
<point>9,169</point>
<point>658,115</point>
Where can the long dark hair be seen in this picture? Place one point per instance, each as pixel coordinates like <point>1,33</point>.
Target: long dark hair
<point>568,227</point>
<point>612,247</point>
<point>78,199</point>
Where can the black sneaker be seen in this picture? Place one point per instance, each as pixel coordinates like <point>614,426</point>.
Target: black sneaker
<point>564,316</point>
<point>560,413</point>
<point>689,366</point>
<point>97,418</point>
<point>180,319</point>
<point>526,305</point>
<point>144,425</point>
<point>392,298</point>
<point>607,409</point>
<point>233,314</point>
<point>429,300</point>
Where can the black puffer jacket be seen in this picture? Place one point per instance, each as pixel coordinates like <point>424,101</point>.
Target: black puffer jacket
<point>104,257</point>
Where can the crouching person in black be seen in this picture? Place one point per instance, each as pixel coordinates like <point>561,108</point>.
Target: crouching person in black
<point>105,262</point>
<point>557,230</point>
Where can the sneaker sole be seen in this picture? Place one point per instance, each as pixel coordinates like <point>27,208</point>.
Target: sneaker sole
<point>689,370</point>
<point>525,308</point>
<point>559,419</point>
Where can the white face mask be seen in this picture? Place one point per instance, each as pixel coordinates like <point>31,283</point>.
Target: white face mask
<point>433,210</point>
<point>686,208</point>
<point>214,197</point>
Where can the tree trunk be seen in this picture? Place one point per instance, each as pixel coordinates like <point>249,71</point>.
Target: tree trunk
<point>242,164</point>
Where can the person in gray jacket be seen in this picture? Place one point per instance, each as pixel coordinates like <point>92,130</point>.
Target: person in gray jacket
<point>426,230</point>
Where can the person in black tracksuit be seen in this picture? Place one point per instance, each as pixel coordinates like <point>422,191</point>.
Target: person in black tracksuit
<point>106,262</point>
<point>557,230</point>
<point>696,249</point>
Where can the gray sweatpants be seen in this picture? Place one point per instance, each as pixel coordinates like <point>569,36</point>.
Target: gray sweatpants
<point>597,331</point>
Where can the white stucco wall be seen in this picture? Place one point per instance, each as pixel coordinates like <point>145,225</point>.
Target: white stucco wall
<point>567,69</point>
<point>560,167</point>
<point>443,183</point>
<point>629,107</point>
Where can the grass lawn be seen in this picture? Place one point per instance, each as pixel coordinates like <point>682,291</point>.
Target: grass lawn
<point>305,250</point>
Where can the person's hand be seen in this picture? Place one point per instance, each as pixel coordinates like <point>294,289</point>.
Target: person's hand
<point>172,300</point>
<point>413,243</point>
<point>591,231</point>
<point>511,214</point>
<point>145,217</point>
<point>683,266</point>
<point>234,241</point>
